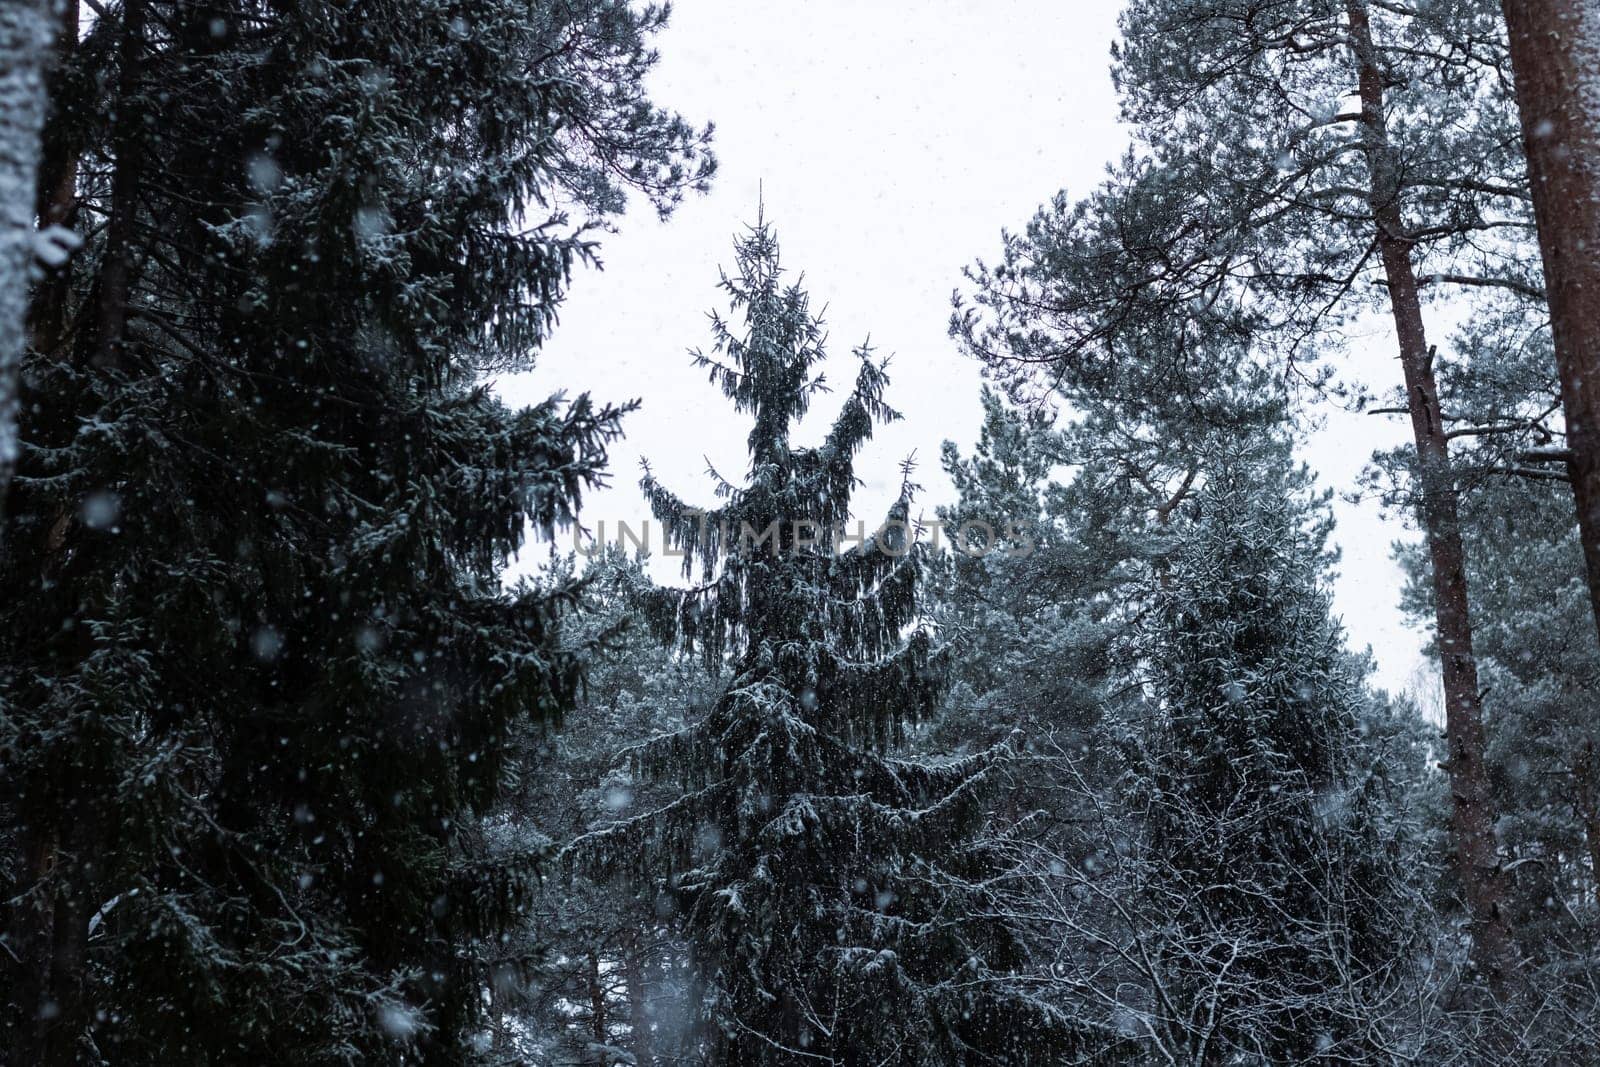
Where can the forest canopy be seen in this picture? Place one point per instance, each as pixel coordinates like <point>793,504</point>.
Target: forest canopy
<point>319,746</point>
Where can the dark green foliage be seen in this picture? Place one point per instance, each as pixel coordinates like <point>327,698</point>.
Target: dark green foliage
<point>1260,794</point>
<point>258,669</point>
<point>1226,862</point>
<point>1239,888</point>
<point>599,972</point>
<point>1227,255</point>
<point>1541,676</point>
<point>825,883</point>
<point>1034,618</point>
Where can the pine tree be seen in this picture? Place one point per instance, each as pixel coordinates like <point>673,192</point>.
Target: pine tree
<point>1027,582</point>
<point>1299,161</point>
<point>1555,52</point>
<point>825,883</point>
<point>1539,674</point>
<point>1542,675</point>
<point>258,671</point>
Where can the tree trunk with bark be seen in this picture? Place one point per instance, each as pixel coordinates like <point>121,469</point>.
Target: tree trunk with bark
<point>57,932</point>
<point>116,268</point>
<point>1473,808</point>
<point>639,1002</point>
<point>57,198</point>
<point>597,1002</point>
<point>27,38</point>
<point>65,1018</point>
<point>1555,56</point>
<point>1586,776</point>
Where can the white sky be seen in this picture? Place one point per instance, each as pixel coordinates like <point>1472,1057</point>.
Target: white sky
<point>893,141</point>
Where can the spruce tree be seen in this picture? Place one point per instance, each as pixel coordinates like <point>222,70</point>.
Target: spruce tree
<point>1273,881</point>
<point>1226,866</point>
<point>825,883</point>
<point>598,972</point>
<point>257,669</point>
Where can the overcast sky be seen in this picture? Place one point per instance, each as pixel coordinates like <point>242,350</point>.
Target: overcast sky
<point>893,140</point>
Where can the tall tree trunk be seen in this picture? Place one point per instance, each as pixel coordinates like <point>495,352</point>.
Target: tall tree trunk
<point>49,939</point>
<point>27,33</point>
<point>27,36</point>
<point>63,932</point>
<point>57,195</point>
<point>597,1002</point>
<point>116,268</point>
<point>66,1017</point>
<point>1473,812</point>
<point>1586,776</point>
<point>57,188</point>
<point>639,1002</point>
<point>1555,54</point>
